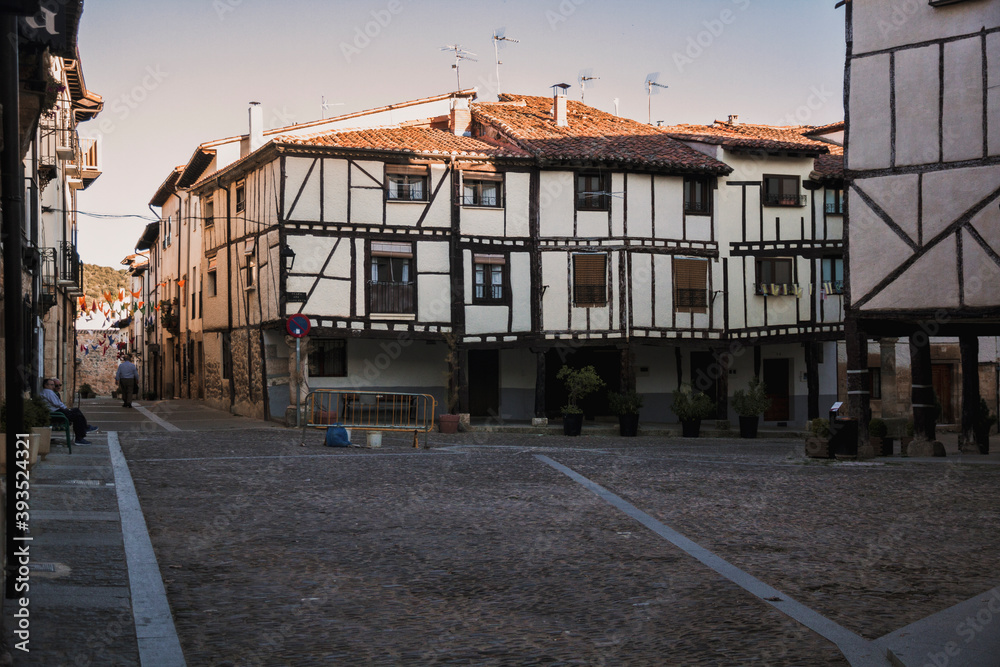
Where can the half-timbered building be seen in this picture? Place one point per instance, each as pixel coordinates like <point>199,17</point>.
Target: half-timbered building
<point>473,250</point>
<point>923,160</point>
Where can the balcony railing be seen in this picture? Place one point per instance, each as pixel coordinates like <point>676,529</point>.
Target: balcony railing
<point>772,199</point>
<point>70,275</point>
<point>692,298</point>
<point>47,295</point>
<point>395,298</point>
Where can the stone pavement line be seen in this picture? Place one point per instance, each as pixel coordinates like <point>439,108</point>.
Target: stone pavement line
<point>149,415</point>
<point>159,645</point>
<point>969,630</point>
<point>856,649</point>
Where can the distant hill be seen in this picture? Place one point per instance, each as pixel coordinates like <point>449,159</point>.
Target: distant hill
<point>100,279</point>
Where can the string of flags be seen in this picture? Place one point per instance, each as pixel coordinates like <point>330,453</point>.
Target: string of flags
<point>114,306</point>
<point>104,342</point>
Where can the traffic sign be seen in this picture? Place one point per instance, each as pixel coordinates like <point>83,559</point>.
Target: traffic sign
<point>298,325</point>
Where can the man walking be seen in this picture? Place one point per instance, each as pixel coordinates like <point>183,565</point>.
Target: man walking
<point>127,378</point>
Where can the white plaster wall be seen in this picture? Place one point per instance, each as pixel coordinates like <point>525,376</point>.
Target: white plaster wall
<point>307,206</point>
<point>485,319</point>
<point>640,201</point>
<point>662,365</point>
<point>366,206</point>
<point>331,298</point>
<point>361,275</point>
<point>482,221</point>
<point>556,294</point>
<point>916,106</point>
<point>882,24</point>
<point>617,211</point>
<point>403,213</point>
<point>993,91</point>
<point>870,115</point>
<point>439,214</point>
<point>699,227</point>
<point>664,277</point>
<point>335,190</point>
<point>642,293</point>
<point>432,256</point>
<point>669,194</point>
<point>591,224</point>
<point>370,365</point>
<point>556,203</point>
<point>433,298</point>
<point>518,202</point>
<point>521,291</point>
<point>755,304</point>
<point>963,100</point>
<point>367,173</point>
<point>296,169</point>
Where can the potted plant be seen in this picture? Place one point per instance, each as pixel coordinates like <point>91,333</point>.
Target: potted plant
<point>34,416</point>
<point>579,383</point>
<point>818,440</point>
<point>907,438</point>
<point>877,431</point>
<point>984,421</point>
<point>626,405</point>
<point>691,407</point>
<point>750,404</point>
<point>38,418</point>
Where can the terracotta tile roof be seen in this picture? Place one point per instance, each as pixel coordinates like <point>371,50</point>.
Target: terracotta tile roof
<point>831,165</point>
<point>591,135</point>
<point>415,140</point>
<point>829,128</point>
<point>749,137</point>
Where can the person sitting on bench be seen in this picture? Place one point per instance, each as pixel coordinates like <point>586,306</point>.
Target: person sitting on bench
<point>79,421</point>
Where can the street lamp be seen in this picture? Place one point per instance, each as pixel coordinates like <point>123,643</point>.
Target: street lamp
<point>288,257</point>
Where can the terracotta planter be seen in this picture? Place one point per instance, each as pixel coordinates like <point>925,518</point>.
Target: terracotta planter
<point>448,423</point>
<point>628,425</point>
<point>748,426</point>
<point>691,428</point>
<point>573,424</point>
<point>818,448</point>
<point>44,439</point>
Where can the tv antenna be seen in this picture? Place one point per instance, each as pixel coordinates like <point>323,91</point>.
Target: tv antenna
<point>585,76</point>
<point>652,88</point>
<point>460,55</point>
<point>324,105</point>
<point>500,40</point>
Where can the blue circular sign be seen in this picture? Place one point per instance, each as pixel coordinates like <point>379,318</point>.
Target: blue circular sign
<point>298,325</point>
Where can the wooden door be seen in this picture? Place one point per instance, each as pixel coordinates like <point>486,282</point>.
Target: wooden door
<point>484,383</point>
<point>777,377</point>
<point>942,378</point>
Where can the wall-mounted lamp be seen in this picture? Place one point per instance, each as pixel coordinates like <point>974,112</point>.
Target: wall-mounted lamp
<point>288,257</point>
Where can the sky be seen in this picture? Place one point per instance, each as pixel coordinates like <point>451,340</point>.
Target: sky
<point>174,75</point>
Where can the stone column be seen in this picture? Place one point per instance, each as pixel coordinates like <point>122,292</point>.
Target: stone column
<point>969,347</point>
<point>890,397</point>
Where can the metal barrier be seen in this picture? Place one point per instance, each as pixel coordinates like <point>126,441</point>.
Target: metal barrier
<point>369,411</point>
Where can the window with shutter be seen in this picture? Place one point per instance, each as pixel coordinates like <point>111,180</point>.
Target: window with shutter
<point>590,280</point>
<point>690,285</point>
<point>592,191</point>
<point>406,183</point>
<point>489,276</point>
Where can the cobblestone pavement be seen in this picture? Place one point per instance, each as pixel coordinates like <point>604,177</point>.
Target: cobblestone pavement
<point>477,553</point>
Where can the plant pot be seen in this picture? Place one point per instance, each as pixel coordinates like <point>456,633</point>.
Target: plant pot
<point>876,444</point>
<point>888,445</point>
<point>690,428</point>
<point>983,439</point>
<point>818,448</point>
<point>904,444</point>
<point>748,426</point>
<point>44,439</point>
<point>573,424</point>
<point>33,440</point>
<point>628,425</point>
<point>448,423</point>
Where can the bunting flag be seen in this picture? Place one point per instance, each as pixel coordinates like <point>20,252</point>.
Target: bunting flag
<point>136,295</point>
<point>121,295</point>
<point>180,283</point>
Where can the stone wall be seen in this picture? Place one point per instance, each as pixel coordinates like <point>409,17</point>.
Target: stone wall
<point>98,366</point>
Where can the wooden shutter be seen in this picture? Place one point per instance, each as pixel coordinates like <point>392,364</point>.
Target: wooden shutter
<point>590,280</point>
<point>690,285</point>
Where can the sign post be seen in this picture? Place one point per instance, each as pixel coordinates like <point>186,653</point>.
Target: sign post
<point>298,326</point>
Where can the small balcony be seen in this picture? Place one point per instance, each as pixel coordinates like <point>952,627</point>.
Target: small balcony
<point>773,199</point>
<point>391,298</point>
<point>90,161</point>
<point>70,275</point>
<point>47,264</point>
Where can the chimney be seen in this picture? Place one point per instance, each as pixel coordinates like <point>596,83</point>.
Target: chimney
<point>256,126</point>
<point>559,104</point>
<point>460,122</point>
<point>734,119</point>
